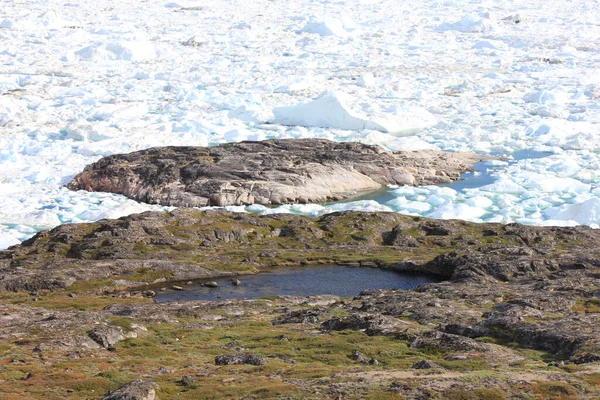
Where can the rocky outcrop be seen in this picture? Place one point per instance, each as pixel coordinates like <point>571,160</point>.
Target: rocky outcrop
<point>135,390</point>
<point>267,172</point>
<point>186,244</point>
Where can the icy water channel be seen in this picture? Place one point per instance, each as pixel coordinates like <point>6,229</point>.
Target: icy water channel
<point>482,175</point>
<point>301,281</point>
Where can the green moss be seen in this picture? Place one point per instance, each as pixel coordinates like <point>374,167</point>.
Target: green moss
<point>554,390</point>
<point>586,306</point>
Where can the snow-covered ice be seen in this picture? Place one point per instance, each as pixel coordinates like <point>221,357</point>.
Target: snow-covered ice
<point>81,80</point>
<point>333,110</point>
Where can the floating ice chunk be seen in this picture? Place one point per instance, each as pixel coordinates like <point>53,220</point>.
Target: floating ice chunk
<point>574,135</point>
<point>394,143</point>
<point>11,109</point>
<point>534,204</point>
<point>479,202</point>
<point>418,207</point>
<point>489,44</point>
<point>42,219</point>
<point>133,50</point>
<point>585,213</point>
<point>293,87</point>
<point>238,135</point>
<point>7,239</point>
<point>504,185</point>
<point>556,185</point>
<point>242,26</point>
<point>236,209</point>
<point>312,210</point>
<point>496,163</point>
<point>457,211</point>
<point>94,53</point>
<point>470,24</point>
<point>326,27</point>
<point>23,23</point>
<point>111,209</point>
<point>332,110</point>
<point>361,205</point>
<point>437,200</point>
<point>366,80</point>
<point>547,97</point>
<point>251,113</point>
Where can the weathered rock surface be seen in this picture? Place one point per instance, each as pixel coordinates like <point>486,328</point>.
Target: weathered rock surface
<point>239,358</point>
<point>425,364</point>
<point>107,336</point>
<point>268,172</point>
<point>135,390</point>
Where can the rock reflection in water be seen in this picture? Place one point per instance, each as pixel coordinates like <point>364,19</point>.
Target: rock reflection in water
<point>301,281</point>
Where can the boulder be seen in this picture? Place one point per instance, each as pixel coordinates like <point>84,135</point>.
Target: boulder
<point>134,390</point>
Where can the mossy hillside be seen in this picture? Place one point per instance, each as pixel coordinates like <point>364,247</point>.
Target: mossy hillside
<point>303,363</point>
<point>154,246</point>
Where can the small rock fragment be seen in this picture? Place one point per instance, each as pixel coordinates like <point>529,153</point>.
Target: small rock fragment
<point>236,282</point>
<point>175,287</point>
<point>211,284</point>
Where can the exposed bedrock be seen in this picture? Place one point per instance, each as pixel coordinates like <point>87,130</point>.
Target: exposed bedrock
<point>268,172</point>
<point>190,244</point>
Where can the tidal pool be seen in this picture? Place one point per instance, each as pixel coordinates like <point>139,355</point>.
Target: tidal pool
<point>301,281</point>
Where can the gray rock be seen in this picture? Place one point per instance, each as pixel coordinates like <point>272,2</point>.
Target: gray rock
<point>211,284</point>
<point>134,390</point>
<point>359,357</point>
<point>310,316</point>
<point>189,381</point>
<point>239,358</point>
<point>106,335</point>
<point>425,364</point>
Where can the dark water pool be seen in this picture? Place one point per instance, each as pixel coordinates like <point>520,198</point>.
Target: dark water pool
<point>301,281</point>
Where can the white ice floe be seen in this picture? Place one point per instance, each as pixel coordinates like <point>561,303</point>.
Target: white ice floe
<point>329,26</point>
<point>334,110</point>
<point>458,211</point>
<point>481,23</point>
<point>586,213</point>
<point>547,97</point>
<point>252,114</point>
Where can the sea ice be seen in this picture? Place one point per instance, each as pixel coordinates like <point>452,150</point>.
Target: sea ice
<point>81,80</point>
<point>586,213</point>
<point>482,23</point>
<point>333,110</point>
<point>329,27</point>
